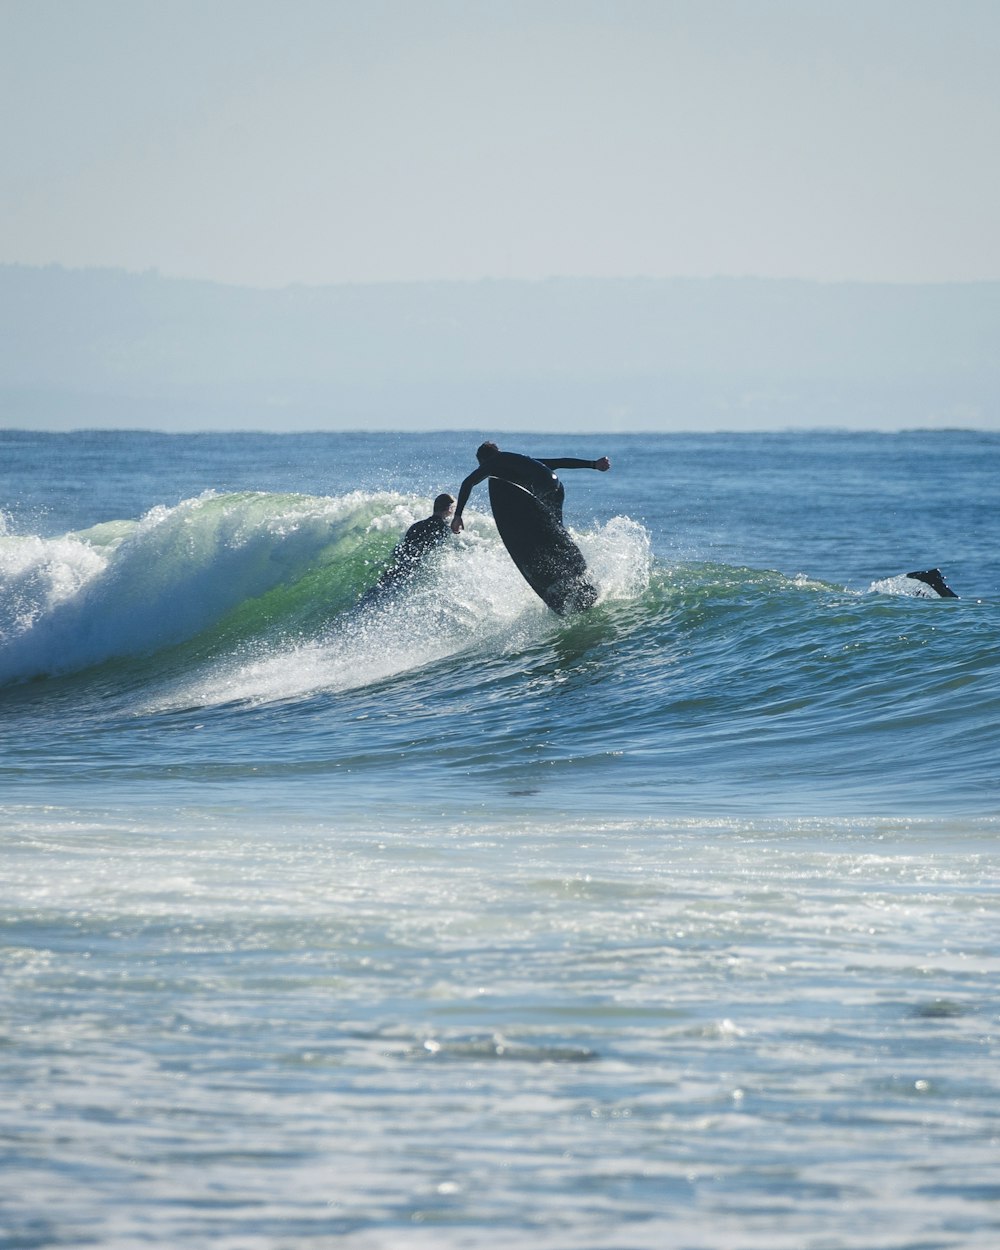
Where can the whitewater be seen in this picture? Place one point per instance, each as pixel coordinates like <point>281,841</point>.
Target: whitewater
<point>449,922</point>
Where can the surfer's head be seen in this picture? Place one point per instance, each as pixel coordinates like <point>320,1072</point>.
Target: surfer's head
<point>486,451</point>
<point>443,505</point>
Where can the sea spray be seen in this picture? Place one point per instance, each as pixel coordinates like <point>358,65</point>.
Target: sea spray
<point>467,596</point>
<point>271,581</point>
<point>89,597</point>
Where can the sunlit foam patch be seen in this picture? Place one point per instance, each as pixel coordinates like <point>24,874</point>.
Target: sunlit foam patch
<point>358,648</point>
<point>466,596</point>
<point>498,1047</point>
<point>135,588</point>
<point>37,574</point>
<point>41,581</point>
<point>348,658</point>
<point>619,558</point>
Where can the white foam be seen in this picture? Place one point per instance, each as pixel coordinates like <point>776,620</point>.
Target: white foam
<point>619,558</point>
<point>128,588</point>
<point>469,595</point>
<point>39,574</point>
<point>135,588</point>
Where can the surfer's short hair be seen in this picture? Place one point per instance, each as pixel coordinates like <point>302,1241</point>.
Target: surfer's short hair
<point>443,503</point>
<point>485,450</point>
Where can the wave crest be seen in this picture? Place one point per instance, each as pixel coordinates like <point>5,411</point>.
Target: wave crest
<point>268,574</point>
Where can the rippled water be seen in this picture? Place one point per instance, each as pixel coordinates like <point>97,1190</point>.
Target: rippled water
<point>458,925</point>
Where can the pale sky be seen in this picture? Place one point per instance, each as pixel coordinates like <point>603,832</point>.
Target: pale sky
<point>266,142</point>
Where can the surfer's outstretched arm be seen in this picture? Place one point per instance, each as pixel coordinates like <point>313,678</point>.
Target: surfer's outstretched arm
<point>570,462</point>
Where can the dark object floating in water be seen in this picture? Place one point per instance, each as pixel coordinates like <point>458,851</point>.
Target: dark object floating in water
<point>939,1008</point>
<point>933,578</point>
<point>497,1047</point>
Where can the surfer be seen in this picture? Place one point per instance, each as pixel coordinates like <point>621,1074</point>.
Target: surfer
<point>421,538</point>
<point>535,475</point>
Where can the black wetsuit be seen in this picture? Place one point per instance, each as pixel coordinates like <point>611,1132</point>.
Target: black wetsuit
<point>534,475</point>
<point>418,540</point>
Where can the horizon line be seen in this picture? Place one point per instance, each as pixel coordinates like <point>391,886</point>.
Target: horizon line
<point>153,271</point>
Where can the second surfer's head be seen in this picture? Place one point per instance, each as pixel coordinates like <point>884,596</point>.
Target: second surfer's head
<point>443,505</point>
<point>485,451</point>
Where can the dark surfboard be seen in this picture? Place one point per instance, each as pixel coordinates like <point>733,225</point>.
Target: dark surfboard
<point>933,578</point>
<point>923,584</point>
<point>547,558</point>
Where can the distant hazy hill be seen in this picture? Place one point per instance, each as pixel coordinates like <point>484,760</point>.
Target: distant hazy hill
<point>103,347</point>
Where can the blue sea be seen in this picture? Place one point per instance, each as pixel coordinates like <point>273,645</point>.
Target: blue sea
<point>451,924</point>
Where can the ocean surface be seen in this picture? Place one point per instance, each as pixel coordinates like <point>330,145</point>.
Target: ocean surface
<point>448,923</point>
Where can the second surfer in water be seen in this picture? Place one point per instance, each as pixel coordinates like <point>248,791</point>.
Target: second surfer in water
<point>535,475</point>
<point>421,538</point>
